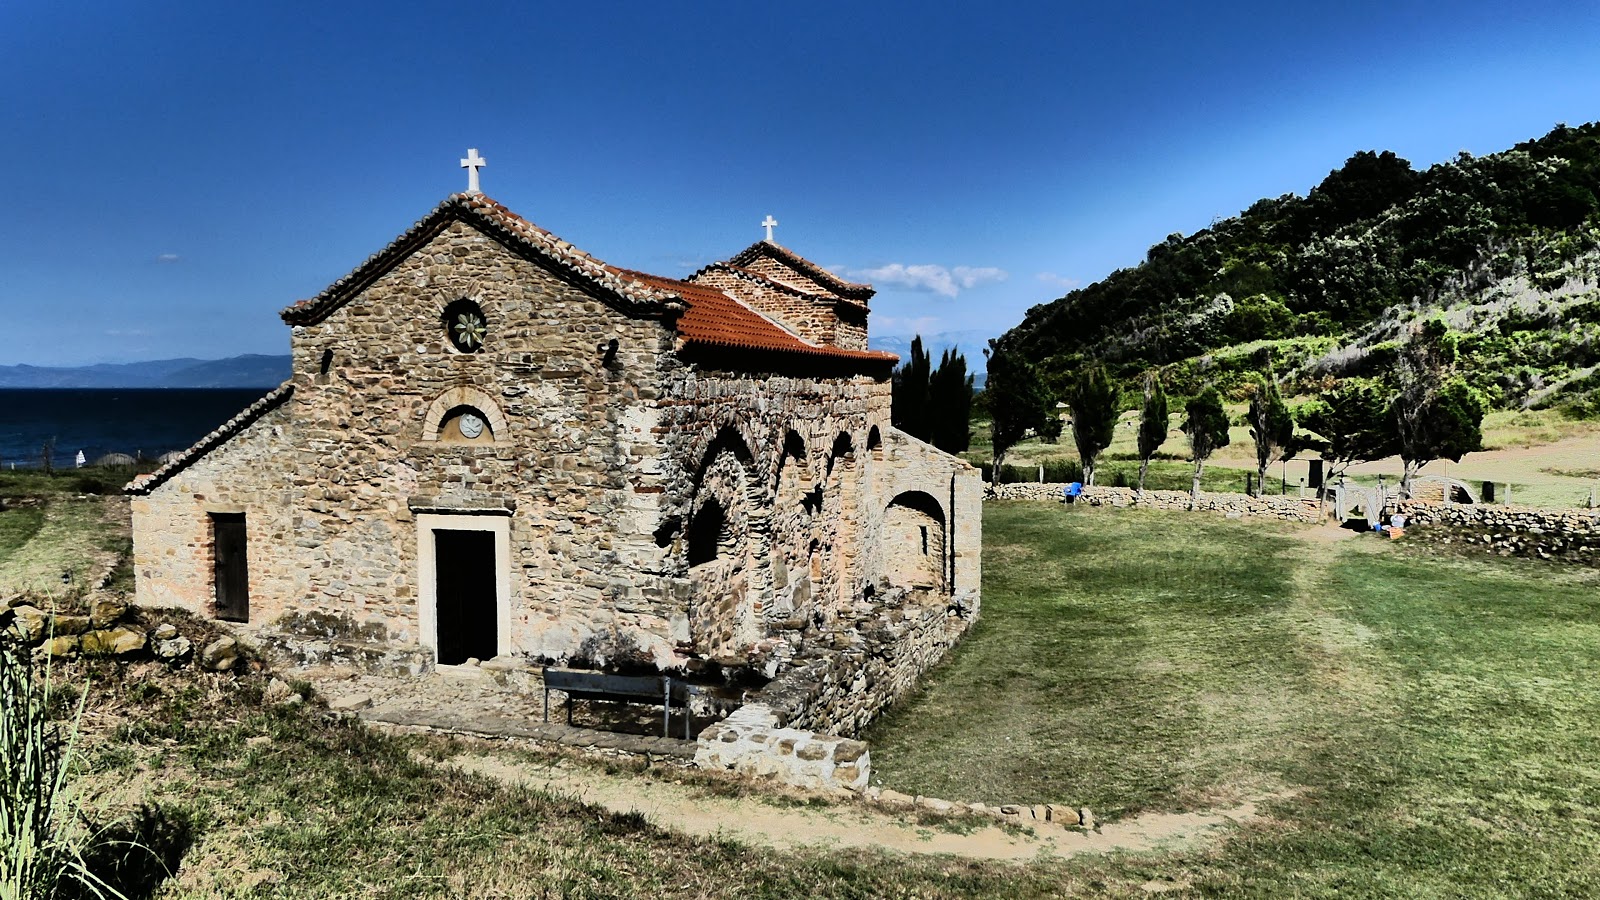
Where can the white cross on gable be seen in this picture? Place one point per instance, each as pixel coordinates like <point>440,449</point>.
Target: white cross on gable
<point>769,224</point>
<point>472,164</point>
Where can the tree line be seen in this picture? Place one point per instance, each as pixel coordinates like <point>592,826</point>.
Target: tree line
<point>1422,409</point>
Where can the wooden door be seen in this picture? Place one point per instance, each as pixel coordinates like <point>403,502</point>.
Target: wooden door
<point>232,566</point>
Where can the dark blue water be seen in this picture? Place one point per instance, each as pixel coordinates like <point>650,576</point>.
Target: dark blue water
<point>135,421</point>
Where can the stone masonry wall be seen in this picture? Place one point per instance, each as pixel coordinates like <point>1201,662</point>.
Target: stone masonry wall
<point>751,742</point>
<point>172,539</point>
<point>576,462</point>
<point>846,677</point>
<point>1278,507</point>
<point>1521,531</point>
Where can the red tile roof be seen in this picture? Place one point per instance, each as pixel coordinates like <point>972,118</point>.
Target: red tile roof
<point>714,318</point>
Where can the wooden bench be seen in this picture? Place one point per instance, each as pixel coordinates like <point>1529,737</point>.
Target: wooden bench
<point>654,690</point>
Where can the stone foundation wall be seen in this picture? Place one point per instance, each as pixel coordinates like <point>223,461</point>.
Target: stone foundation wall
<point>1271,506</point>
<point>751,742</point>
<point>846,678</point>
<point>1518,531</point>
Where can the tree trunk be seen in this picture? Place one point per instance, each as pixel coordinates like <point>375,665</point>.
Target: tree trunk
<point>1143,465</point>
<point>1194,487</point>
<point>1412,467</point>
<point>1261,478</point>
<point>1088,473</point>
<point>994,475</point>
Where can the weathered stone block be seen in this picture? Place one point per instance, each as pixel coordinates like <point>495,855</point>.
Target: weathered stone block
<point>117,641</point>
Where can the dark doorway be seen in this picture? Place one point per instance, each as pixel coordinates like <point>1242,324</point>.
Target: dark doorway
<point>232,571</point>
<point>464,570</point>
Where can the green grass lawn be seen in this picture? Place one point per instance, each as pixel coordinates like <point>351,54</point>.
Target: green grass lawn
<point>1427,726</point>
<point>1409,726</point>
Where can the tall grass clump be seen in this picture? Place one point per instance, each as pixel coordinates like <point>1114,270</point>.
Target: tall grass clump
<point>42,830</point>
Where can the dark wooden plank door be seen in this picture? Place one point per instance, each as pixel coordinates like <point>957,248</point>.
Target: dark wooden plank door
<point>466,611</point>
<point>232,566</point>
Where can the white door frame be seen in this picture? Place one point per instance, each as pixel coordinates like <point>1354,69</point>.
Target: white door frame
<point>428,573</point>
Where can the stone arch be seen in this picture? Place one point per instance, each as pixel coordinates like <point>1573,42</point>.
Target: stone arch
<point>844,448</point>
<point>915,539</point>
<point>727,439</point>
<point>791,532</point>
<point>452,401</point>
<point>838,526</point>
<point>726,551</point>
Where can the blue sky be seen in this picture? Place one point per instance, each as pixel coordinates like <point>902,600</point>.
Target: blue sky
<point>176,173</point>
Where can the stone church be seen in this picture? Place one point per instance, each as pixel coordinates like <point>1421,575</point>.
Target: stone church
<point>494,445</point>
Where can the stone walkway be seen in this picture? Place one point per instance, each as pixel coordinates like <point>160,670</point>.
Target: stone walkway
<point>470,701</point>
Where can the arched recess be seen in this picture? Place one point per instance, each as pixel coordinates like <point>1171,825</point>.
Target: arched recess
<point>875,443</point>
<point>448,407</point>
<point>915,540</point>
<point>725,550</point>
<point>838,527</point>
<point>791,524</point>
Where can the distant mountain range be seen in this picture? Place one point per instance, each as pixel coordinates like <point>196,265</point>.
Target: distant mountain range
<point>251,370</point>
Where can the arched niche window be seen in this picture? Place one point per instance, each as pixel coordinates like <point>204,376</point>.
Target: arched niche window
<point>466,425</point>
<point>707,533</point>
<point>455,417</point>
<point>465,326</point>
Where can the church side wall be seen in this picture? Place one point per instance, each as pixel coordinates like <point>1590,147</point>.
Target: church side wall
<point>172,529</point>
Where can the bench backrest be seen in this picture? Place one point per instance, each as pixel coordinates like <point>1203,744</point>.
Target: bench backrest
<point>580,681</point>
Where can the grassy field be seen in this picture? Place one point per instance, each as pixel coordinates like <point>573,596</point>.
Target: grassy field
<point>1410,726</point>
<point>1425,727</point>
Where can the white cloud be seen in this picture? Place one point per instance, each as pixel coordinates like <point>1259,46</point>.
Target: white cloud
<point>931,278</point>
<point>899,326</point>
<point>1060,281</point>
<point>168,258</point>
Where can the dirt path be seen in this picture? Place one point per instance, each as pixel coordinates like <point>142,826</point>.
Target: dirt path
<point>692,811</point>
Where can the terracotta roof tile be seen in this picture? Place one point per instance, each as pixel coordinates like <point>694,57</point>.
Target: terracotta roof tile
<point>144,484</point>
<point>714,318</point>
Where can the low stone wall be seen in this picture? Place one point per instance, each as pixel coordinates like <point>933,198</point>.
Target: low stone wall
<point>1271,506</point>
<point>1572,534</point>
<point>858,669</point>
<point>750,742</point>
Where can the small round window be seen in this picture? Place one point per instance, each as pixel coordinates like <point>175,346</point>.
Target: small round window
<point>465,326</point>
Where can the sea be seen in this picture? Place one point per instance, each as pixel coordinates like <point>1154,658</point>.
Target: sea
<point>137,421</point>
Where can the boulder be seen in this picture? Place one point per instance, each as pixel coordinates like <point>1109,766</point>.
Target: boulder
<point>170,649</point>
<point>29,623</point>
<point>60,645</point>
<point>70,625</point>
<point>166,631</point>
<point>107,611</point>
<point>278,691</point>
<point>118,641</point>
<point>220,655</point>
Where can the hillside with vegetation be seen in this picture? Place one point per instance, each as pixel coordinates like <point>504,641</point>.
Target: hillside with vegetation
<point>1503,248</point>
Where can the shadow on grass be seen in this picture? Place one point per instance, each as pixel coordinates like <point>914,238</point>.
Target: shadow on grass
<point>137,855</point>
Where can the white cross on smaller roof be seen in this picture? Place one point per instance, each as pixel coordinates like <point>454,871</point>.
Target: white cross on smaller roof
<point>769,224</point>
<point>472,164</point>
